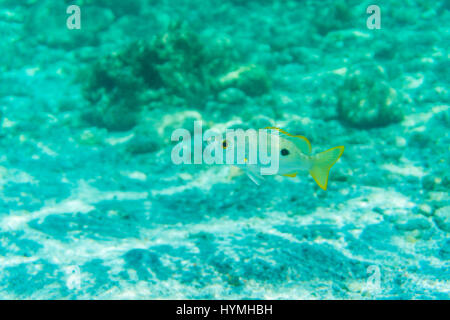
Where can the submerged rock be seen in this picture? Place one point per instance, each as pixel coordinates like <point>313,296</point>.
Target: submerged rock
<point>231,96</point>
<point>336,16</point>
<point>366,100</point>
<point>145,140</point>
<point>251,79</point>
<point>442,218</point>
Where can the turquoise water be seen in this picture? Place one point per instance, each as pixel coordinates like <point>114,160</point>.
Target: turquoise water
<point>93,207</point>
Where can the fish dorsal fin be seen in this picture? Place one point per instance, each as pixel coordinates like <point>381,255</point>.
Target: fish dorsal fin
<point>290,175</point>
<point>300,141</point>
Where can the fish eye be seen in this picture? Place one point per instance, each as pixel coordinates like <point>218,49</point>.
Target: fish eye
<point>284,152</point>
<point>224,144</point>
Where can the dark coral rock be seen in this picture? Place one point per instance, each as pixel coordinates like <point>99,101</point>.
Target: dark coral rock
<point>114,94</point>
<point>177,62</point>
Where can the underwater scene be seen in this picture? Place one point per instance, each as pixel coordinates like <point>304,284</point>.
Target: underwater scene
<point>104,195</point>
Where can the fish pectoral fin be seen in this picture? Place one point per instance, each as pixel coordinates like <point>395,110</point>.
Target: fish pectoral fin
<point>254,175</point>
<point>290,175</point>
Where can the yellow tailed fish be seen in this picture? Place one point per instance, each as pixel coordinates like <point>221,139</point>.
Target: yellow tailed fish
<point>295,156</point>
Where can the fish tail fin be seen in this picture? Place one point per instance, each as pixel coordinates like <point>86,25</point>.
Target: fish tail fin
<point>322,163</point>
